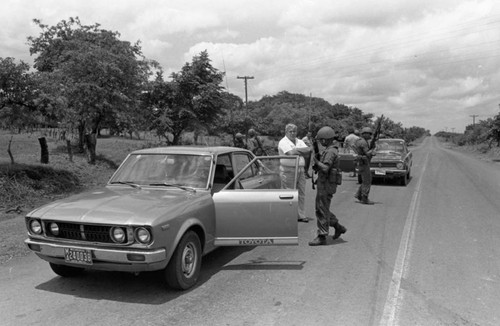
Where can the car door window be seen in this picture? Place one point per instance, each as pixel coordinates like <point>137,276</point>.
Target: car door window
<point>241,160</point>
<point>223,172</point>
<point>262,173</point>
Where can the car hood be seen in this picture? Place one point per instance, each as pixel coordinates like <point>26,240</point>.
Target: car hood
<point>387,156</point>
<point>116,205</point>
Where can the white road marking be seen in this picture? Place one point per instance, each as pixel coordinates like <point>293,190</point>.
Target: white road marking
<point>394,295</point>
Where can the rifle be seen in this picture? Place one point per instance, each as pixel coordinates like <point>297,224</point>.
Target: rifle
<point>376,134</point>
<point>318,157</point>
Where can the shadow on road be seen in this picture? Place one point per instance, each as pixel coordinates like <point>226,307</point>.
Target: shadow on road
<point>144,288</point>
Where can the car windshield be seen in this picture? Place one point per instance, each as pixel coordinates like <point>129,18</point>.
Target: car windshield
<point>389,146</point>
<point>176,170</point>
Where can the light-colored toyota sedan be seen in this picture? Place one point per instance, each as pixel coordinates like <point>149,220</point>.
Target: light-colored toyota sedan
<point>163,209</point>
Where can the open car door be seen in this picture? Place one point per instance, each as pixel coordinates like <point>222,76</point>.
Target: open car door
<point>253,210</point>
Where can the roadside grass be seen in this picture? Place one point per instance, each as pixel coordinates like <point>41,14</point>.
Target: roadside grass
<point>28,183</point>
<point>23,183</point>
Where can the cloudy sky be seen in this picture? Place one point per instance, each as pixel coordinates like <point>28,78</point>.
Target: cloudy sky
<point>427,63</point>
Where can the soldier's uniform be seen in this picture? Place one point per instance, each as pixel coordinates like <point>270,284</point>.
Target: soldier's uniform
<point>326,184</point>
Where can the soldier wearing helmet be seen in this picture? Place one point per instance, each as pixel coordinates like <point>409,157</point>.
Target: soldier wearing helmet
<point>239,141</point>
<point>254,143</point>
<point>329,176</point>
<point>364,157</point>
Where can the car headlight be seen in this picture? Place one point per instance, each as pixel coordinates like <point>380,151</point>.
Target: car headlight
<point>54,228</point>
<point>35,227</point>
<point>143,235</point>
<point>400,165</point>
<point>118,234</point>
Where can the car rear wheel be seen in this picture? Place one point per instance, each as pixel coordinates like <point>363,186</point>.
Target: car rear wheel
<point>66,271</point>
<point>183,270</point>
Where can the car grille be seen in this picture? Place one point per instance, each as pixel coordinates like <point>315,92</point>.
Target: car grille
<point>383,164</point>
<point>82,232</point>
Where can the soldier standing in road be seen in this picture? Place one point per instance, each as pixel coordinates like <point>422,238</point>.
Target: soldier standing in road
<point>365,155</point>
<point>328,179</point>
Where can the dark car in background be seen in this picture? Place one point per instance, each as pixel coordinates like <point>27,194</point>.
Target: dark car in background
<point>392,161</point>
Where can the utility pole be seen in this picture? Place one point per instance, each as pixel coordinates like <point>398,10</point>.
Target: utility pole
<point>474,119</point>
<point>246,94</point>
<point>309,113</point>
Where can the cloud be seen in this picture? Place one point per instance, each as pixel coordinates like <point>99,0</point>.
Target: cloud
<point>415,61</point>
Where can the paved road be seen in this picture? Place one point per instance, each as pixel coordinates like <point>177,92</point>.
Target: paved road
<point>425,254</point>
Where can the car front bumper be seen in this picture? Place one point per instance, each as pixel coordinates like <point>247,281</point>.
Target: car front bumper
<point>123,260</point>
<point>387,172</point>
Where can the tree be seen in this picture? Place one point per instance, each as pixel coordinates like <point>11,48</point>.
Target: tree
<point>16,94</point>
<point>100,75</point>
<point>233,117</point>
<point>272,113</point>
<point>191,101</point>
<point>494,131</point>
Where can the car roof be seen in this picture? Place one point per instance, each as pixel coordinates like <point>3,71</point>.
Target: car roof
<point>194,149</point>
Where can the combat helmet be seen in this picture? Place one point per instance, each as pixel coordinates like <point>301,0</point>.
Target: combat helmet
<point>366,130</point>
<point>325,133</point>
<point>239,135</point>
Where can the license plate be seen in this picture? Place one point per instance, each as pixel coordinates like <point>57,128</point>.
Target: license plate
<point>379,172</point>
<point>78,256</point>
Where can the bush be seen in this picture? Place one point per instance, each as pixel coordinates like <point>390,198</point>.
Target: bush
<point>23,183</point>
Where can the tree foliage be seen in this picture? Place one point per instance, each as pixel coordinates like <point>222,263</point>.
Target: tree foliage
<point>485,131</point>
<point>99,75</point>
<point>192,100</point>
<point>17,94</point>
<point>272,113</point>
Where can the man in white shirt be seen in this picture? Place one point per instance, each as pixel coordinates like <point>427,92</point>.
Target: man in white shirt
<point>350,143</point>
<point>291,145</point>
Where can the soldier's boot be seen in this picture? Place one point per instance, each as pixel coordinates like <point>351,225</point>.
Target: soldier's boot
<point>320,240</point>
<point>357,195</point>
<point>339,230</point>
<point>366,201</point>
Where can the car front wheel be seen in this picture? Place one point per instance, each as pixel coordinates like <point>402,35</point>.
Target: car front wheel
<point>66,271</point>
<point>183,270</point>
